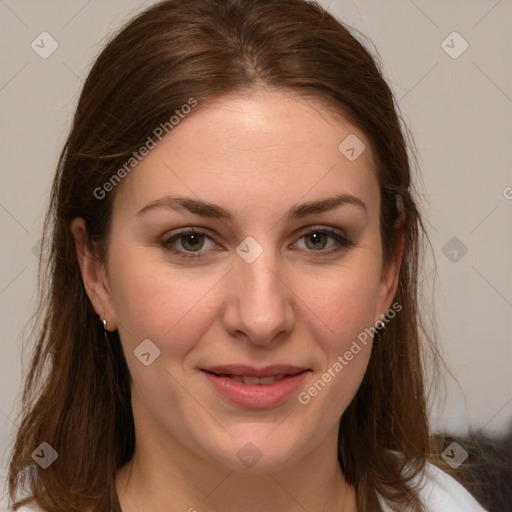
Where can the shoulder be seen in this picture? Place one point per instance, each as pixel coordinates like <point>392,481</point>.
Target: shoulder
<point>440,492</point>
<point>443,493</point>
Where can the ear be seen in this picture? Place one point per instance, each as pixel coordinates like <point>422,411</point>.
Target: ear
<point>390,271</point>
<point>94,274</point>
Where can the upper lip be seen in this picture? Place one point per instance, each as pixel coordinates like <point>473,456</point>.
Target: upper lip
<point>244,370</point>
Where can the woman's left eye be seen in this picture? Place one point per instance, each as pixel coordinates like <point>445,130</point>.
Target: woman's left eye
<point>318,238</point>
<point>192,241</point>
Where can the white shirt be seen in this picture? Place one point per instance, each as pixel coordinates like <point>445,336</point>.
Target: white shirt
<point>440,493</point>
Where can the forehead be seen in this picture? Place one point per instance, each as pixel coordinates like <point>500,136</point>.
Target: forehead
<point>260,145</point>
<point>275,118</point>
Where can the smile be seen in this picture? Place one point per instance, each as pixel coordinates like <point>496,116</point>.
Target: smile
<point>250,380</point>
<point>256,389</point>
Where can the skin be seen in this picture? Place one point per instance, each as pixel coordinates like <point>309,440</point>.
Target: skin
<point>257,154</point>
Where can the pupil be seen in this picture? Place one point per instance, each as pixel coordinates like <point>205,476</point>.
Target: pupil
<point>192,239</point>
<point>316,238</point>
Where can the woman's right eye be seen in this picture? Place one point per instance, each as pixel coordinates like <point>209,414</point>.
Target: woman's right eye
<point>191,242</point>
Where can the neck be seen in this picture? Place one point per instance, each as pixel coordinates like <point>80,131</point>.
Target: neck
<point>160,479</point>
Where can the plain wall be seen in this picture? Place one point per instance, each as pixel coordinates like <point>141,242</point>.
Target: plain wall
<point>458,109</point>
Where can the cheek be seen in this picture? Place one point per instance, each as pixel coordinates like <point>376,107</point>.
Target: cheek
<point>342,311</point>
<point>170,307</point>
<point>342,303</point>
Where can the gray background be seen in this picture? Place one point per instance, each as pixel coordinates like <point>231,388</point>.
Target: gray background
<point>458,109</point>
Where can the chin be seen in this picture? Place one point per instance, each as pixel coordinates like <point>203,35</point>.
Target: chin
<point>257,453</point>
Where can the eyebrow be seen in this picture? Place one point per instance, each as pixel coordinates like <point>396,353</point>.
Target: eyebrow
<point>205,209</point>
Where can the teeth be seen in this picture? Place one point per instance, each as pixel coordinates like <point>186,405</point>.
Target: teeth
<point>250,380</point>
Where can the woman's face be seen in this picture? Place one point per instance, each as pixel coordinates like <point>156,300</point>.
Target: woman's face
<point>268,279</point>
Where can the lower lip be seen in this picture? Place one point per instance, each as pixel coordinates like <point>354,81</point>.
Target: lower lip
<point>258,396</point>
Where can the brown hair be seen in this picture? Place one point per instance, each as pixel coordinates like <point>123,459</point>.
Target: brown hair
<point>77,392</point>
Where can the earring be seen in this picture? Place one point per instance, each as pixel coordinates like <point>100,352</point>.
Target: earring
<point>111,350</point>
<point>105,330</point>
<point>380,327</point>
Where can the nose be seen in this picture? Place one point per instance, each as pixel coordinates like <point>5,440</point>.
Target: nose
<point>259,304</point>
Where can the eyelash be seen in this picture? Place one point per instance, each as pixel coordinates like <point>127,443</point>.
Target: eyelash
<point>342,240</point>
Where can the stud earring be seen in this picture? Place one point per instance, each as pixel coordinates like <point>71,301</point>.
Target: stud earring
<point>379,327</point>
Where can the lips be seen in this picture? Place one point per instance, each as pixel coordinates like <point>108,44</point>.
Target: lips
<point>268,371</point>
<point>252,387</point>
